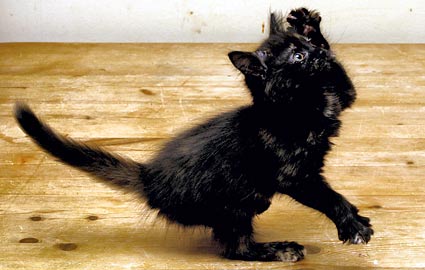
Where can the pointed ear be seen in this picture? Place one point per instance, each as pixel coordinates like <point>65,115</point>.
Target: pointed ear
<point>250,63</point>
<point>276,23</point>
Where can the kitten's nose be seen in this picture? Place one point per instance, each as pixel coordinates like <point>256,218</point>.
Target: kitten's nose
<point>322,52</point>
<point>326,53</point>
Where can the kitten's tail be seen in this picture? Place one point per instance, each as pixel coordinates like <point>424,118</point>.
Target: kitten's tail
<point>109,167</point>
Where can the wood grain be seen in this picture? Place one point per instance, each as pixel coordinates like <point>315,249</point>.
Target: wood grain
<point>131,98</point>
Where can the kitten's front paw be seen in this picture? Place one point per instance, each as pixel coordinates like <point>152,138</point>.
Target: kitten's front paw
<point>356,231</point>
<point>304,21</point>
<point>307,23</point>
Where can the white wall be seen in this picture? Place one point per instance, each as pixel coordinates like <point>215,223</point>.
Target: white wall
<point>202,20</point>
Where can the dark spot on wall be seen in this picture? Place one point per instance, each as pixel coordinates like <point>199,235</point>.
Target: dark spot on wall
<point>92,218</point>
<point>36,218</point>
<point>66,246</point>
<point>191,12</point>
<point>409,162</point>
<point>411,9</point>
<point>29,240</point>
<point>263,26</point>
<point>147,92</point>
<point>312,249</point>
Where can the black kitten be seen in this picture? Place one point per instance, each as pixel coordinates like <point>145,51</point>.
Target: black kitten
<point>224,172</point>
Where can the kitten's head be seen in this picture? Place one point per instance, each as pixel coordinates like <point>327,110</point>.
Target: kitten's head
<point>289,71</point>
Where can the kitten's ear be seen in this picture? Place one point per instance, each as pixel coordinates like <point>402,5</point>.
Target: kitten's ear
<point>276,23</point>
<point>250,63</point>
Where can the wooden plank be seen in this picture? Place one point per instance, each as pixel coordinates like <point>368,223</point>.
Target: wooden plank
<point>132,98</point>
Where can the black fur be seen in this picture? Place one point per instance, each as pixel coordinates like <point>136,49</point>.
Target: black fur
<point>225,171</point>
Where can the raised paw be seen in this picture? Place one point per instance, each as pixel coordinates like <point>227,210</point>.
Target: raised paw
<point>356,231</point>
<point>304,21</point>
<point>280,251</point>
<point>307,23</point>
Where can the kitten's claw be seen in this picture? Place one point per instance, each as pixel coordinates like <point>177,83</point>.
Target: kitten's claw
<point>358,231</point>
<point>291,18</point>
<point>358,239</point>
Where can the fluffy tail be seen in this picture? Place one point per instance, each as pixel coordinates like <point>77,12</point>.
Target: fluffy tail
<point>109,167</point>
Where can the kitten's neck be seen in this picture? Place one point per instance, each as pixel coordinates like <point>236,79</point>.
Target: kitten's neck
<point>295,122</point>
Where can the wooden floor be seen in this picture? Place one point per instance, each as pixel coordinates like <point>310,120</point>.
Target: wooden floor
<point>131,98</point>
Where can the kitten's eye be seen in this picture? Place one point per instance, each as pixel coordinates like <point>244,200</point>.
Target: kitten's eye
<point>298,57</point>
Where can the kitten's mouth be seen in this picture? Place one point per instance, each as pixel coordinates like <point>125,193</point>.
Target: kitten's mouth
<point>319,66</point>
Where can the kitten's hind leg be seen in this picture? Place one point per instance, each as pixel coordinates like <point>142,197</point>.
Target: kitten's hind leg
<point>239,245</point>
<point>280,251</point>
<point>307,23</point>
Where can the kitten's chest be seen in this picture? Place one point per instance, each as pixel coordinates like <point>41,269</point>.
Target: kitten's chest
<point>297,156</point>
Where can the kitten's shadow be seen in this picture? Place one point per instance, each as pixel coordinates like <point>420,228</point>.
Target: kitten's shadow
<point>171,241</point>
